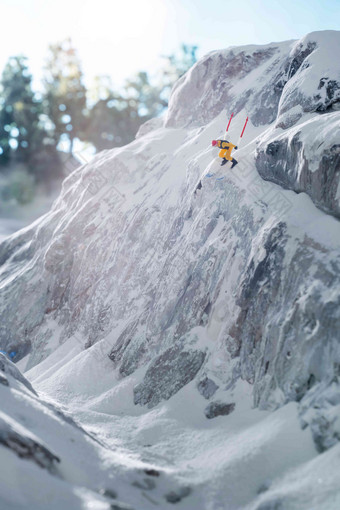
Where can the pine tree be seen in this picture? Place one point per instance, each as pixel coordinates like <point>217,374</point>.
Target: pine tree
<point>115,118</point>
<point>65,93</point>
<point>19,114</point>
<point>23,137</point>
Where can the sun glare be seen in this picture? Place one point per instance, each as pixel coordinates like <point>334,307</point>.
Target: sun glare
<point>123,32</point>
<point>121,19</point>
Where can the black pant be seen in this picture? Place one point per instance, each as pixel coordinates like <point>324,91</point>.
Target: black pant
<point>233,161</point>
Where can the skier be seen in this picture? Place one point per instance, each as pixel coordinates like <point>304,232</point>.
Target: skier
<point>225,152</point>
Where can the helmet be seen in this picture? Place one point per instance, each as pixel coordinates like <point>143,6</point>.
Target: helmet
<point>214,142</point>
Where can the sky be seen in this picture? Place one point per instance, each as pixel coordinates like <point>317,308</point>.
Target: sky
<point>120,37</point>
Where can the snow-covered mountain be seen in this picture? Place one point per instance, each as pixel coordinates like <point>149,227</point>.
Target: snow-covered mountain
<point>196,333</point>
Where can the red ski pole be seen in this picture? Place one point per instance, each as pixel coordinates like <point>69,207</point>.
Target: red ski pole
<point>231,116</point>
<point>244,127</point>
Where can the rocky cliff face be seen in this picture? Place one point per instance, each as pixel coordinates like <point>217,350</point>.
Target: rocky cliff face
<point>238,281</point>
<point>302,151</point>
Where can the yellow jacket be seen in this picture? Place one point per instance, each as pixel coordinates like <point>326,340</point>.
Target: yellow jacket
<point>226,149</point>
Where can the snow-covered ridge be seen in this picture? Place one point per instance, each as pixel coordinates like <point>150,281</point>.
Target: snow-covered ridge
<point>283,85</point>
<point>49,461</point>
<point>134,295</point>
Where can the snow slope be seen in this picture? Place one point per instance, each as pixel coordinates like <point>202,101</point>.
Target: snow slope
<point>198,333</point>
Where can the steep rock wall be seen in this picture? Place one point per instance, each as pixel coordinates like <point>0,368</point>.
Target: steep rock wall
<point>237,280</point>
